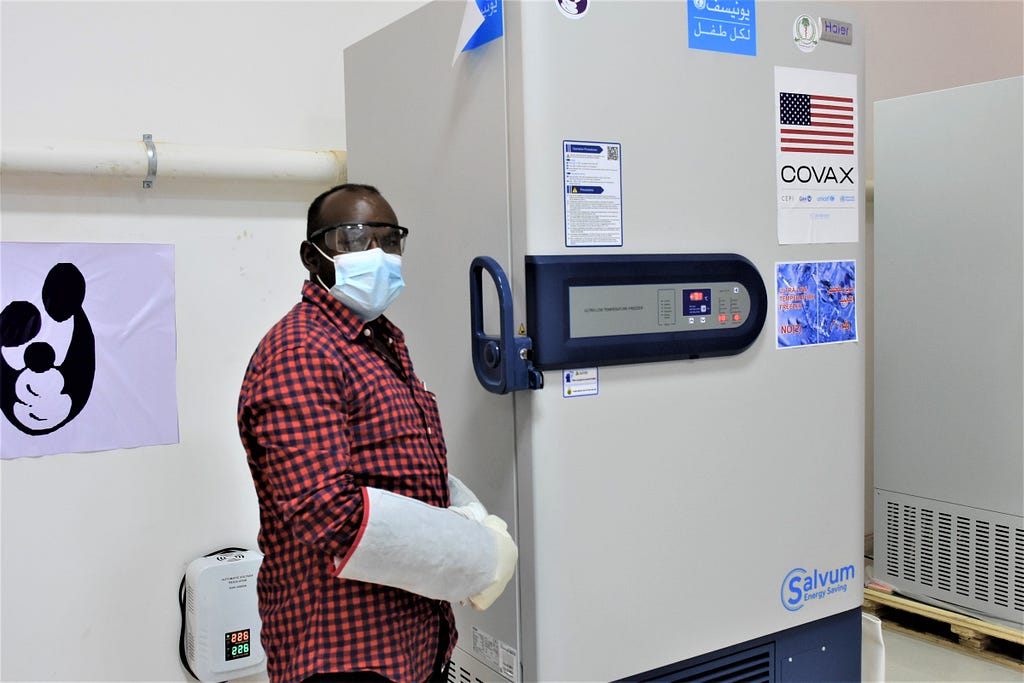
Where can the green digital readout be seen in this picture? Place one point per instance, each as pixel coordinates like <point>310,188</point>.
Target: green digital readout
<point>236,644</point>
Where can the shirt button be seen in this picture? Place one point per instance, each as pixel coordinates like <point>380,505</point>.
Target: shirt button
<point>367,333</point>
<point>429,430</point>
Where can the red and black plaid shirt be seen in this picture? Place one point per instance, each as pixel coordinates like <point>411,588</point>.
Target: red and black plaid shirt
<point>322,414</point>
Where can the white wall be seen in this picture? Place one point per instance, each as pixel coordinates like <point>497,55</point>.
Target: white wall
<point>94,545</point>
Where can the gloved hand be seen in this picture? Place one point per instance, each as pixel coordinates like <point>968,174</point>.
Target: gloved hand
<point>508,553</point>
<point>464,501</point>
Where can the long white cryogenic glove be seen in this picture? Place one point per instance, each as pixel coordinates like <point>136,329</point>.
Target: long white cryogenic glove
<point>464,501</point>
<point>427,550</point>
<point>508,553</point>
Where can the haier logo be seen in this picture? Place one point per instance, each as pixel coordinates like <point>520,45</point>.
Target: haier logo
<point>836,31</point>
<point>801,586</point>
<point>819,174</point>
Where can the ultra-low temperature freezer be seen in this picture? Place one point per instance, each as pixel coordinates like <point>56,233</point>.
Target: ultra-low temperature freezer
<point>679,445</point>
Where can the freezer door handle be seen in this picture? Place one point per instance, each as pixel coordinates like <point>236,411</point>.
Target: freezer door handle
<point>502,363</point>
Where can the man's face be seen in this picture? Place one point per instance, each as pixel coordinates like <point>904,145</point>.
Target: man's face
<point>343,207</point>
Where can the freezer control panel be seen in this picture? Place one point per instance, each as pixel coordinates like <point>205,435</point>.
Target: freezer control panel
<point>607,310</point>
<point>604,310</point>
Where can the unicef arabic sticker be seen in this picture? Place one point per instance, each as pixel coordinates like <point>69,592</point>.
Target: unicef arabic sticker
<point>722,26</point>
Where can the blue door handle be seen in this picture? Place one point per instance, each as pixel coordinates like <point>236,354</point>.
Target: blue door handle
<point>502,363</point>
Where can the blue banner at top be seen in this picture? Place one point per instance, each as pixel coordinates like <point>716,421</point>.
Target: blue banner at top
<point>589,149</point>
<point>722,26</point>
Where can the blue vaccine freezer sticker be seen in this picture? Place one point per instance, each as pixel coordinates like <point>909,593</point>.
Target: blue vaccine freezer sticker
<point>722,26</point>
<point>815,303</point>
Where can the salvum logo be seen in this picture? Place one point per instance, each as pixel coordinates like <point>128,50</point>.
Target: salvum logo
<point>801,586</point>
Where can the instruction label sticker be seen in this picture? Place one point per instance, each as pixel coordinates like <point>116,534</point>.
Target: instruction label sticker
<point>816,156</point>
<point>815,303</point>
<point>722,26</point>
<point>579,382</point>
<point>592,172</point>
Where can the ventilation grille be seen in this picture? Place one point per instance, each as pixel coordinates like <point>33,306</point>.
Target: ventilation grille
<point>748,666</point>
<point>458,674</point>
<point>963,560</point>
<point>464,668</point>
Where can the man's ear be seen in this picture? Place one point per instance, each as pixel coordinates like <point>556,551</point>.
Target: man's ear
<point>320,268</point>
<point>310,257</point>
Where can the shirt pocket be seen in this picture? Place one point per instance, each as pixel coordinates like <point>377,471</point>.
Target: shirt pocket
<point>426,403</point>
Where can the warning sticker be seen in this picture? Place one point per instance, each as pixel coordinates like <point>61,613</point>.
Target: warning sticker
<point>579,382</point>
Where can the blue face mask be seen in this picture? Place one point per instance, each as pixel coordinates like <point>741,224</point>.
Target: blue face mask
<point>366,281</point>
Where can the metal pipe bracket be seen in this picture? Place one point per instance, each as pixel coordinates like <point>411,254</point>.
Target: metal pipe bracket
<point>147,139</point>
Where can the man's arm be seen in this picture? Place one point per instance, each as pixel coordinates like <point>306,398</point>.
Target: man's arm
<point>297,415</point>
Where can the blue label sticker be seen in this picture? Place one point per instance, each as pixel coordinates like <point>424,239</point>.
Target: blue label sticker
<point>722,26</point>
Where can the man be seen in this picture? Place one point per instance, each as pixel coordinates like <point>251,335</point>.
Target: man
<point>366,537</point>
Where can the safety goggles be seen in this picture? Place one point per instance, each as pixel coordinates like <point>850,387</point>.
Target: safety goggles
<point>358,236</point>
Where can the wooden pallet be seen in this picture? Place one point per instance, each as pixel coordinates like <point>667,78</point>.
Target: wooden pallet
<point>984,639</point>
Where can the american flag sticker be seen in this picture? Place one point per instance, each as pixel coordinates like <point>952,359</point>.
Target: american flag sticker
<point>818,192</point>
<point>816,124</point>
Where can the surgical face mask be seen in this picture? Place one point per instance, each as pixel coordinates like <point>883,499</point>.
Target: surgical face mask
<point>366,281</point>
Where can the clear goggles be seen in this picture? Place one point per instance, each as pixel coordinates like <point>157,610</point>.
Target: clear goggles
<point>360,236</point>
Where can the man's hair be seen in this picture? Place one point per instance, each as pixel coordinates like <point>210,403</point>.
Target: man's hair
<point>313,219</point>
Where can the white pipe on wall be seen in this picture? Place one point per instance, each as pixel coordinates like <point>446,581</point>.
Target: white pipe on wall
<point>129,159</point>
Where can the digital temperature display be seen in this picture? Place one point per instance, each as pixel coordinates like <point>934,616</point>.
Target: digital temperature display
<point>236,645</point>
<point>696,301</point>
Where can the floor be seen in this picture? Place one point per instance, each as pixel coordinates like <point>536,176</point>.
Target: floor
<point>912,659</point>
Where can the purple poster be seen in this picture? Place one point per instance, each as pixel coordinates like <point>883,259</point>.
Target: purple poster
<point>87,347</point>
